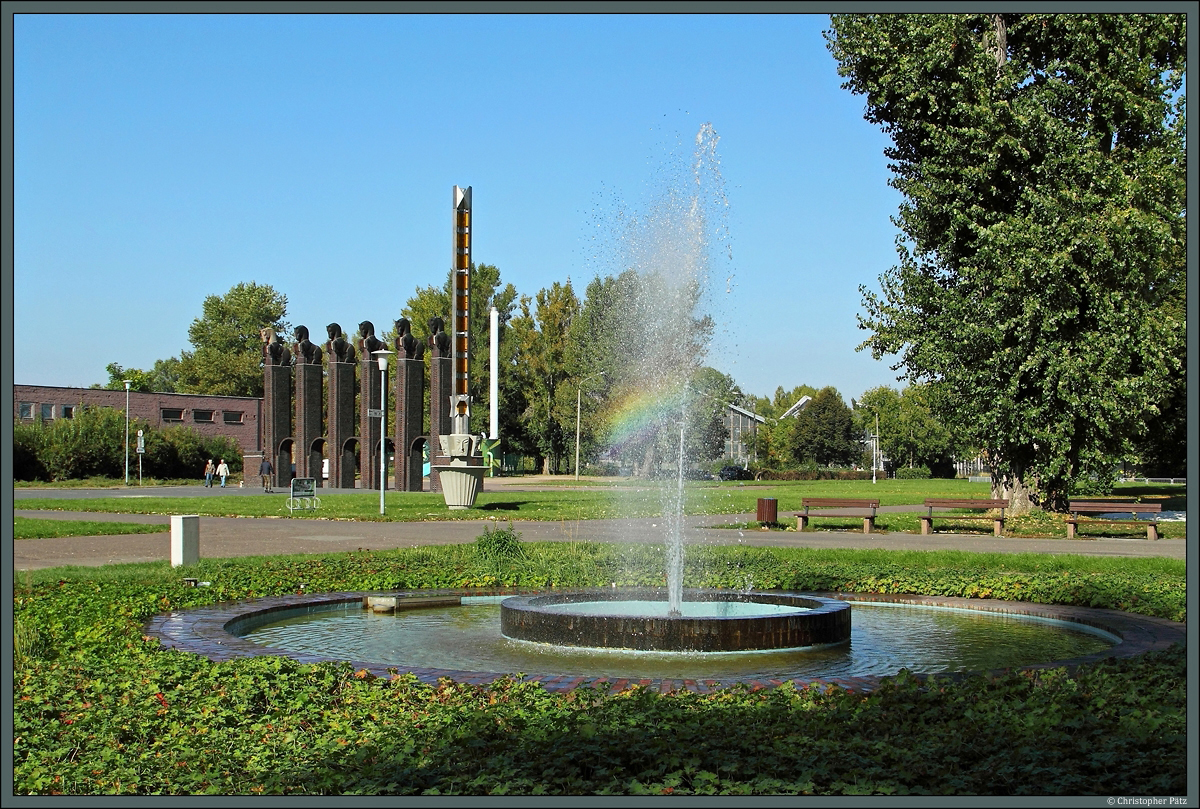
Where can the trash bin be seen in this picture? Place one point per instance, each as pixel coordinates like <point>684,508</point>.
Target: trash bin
<point>768,509</point>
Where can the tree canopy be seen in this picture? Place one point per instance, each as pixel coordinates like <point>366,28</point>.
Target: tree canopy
<point>227,342</point>
<point>163,377</point>
<point>909,432</point>
<point>1041,160</point>
<point>822,432</point>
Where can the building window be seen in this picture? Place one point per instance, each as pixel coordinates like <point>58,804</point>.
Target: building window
<point>26,410</point>
<point>233,417</point>
<point>47,412</point>
<point>172,414</point>
<point>203,416</point>
<point>68,411</point>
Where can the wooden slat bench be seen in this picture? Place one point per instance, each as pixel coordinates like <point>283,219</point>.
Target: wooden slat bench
<point>864,508</point>
<point>1081,507</point>
<point>932,503</point>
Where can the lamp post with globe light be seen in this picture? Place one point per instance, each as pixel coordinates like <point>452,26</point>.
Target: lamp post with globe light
<point>382,356</point>
<point>127,383</point>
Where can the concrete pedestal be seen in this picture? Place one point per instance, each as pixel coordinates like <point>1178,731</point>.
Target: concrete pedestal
<point>185,539</point>
<point>460,484</point>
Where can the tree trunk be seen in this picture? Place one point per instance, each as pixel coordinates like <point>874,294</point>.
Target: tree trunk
<point>648,460</point>
<point>998,44</point>
<point>1011,486</point>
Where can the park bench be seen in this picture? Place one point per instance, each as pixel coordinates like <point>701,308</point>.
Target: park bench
<point>1083,507</point>
<point>932,503</point>
<point>864,508</point>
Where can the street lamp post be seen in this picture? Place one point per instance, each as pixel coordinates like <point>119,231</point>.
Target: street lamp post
<point>382,356</point>
<point>578,403</point>
<point>875,448</point>
<point>127,382</point>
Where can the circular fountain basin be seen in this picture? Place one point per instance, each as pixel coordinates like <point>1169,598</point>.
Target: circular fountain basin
<point>708,621</point>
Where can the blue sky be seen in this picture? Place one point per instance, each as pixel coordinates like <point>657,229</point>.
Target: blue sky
<point>162,158</point>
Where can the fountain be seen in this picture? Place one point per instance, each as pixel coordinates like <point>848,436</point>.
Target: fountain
<point>665,637</point>
<point>663,256</point>
<point>709,621</point>
<point>668,248</point>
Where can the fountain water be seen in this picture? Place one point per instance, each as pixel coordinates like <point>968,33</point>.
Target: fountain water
<point>668,251</point>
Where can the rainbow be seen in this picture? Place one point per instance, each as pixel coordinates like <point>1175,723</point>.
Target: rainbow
<point>640,413</point>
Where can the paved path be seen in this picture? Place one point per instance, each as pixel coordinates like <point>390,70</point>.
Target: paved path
<point>222,537</point>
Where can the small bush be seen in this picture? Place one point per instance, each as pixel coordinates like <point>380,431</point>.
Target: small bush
<point>499,544</point>
<point>29,447</point>
<point>913,473</point>
<point>1093,487</point>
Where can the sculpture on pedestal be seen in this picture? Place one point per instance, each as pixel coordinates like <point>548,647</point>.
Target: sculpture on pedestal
<point>340,433</point>
<point>338,348</point>
<point>306,351</point>
<point>275,352</point>
<point>369,399</point>
<point>407,346</point>
<point>368,342</point>
<point>410,401</point>
<point>277,405</point>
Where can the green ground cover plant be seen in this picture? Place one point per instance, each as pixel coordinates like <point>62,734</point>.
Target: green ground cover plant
<point>33,528</point>
<point>99,708</point>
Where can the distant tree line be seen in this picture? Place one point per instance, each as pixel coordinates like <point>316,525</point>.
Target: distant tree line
<point>558,352</point>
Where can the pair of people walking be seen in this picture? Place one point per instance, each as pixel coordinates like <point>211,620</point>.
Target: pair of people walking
<point>221,470</point>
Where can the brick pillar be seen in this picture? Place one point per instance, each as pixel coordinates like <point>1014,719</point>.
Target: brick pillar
<point>409,423</point>
<point>309,389</point>
<point>368,428</point>
<point>277,420</point>
<point>341,425</point>
<point>441,381</point>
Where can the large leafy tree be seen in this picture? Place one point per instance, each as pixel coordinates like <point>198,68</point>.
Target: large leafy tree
<point>773,446</point>
<point>641,330</point>
<point>709,393</point>
<point>1041,160</point>
<point>910,434</point>
<point>823,431</point>
<point>543,371</point>
<point>226,359</point>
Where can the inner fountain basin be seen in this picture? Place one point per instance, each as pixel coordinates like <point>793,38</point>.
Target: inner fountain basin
<point>709,621</point>
<point>214,632</point>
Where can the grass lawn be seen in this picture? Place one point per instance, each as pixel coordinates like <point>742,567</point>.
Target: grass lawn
<point>32,528</point>
<point>647,500</point>
<point>108,483</point>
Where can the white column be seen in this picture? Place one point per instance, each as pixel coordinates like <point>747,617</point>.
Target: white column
<point>495,375</point>
<point>185,539</point>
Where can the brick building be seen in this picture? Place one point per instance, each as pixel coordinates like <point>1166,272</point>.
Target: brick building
<point>235,417</point>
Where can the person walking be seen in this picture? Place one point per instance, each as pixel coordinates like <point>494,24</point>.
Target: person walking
<point>210,469</point>
<point>265,470</point>
<point>222,472</point>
